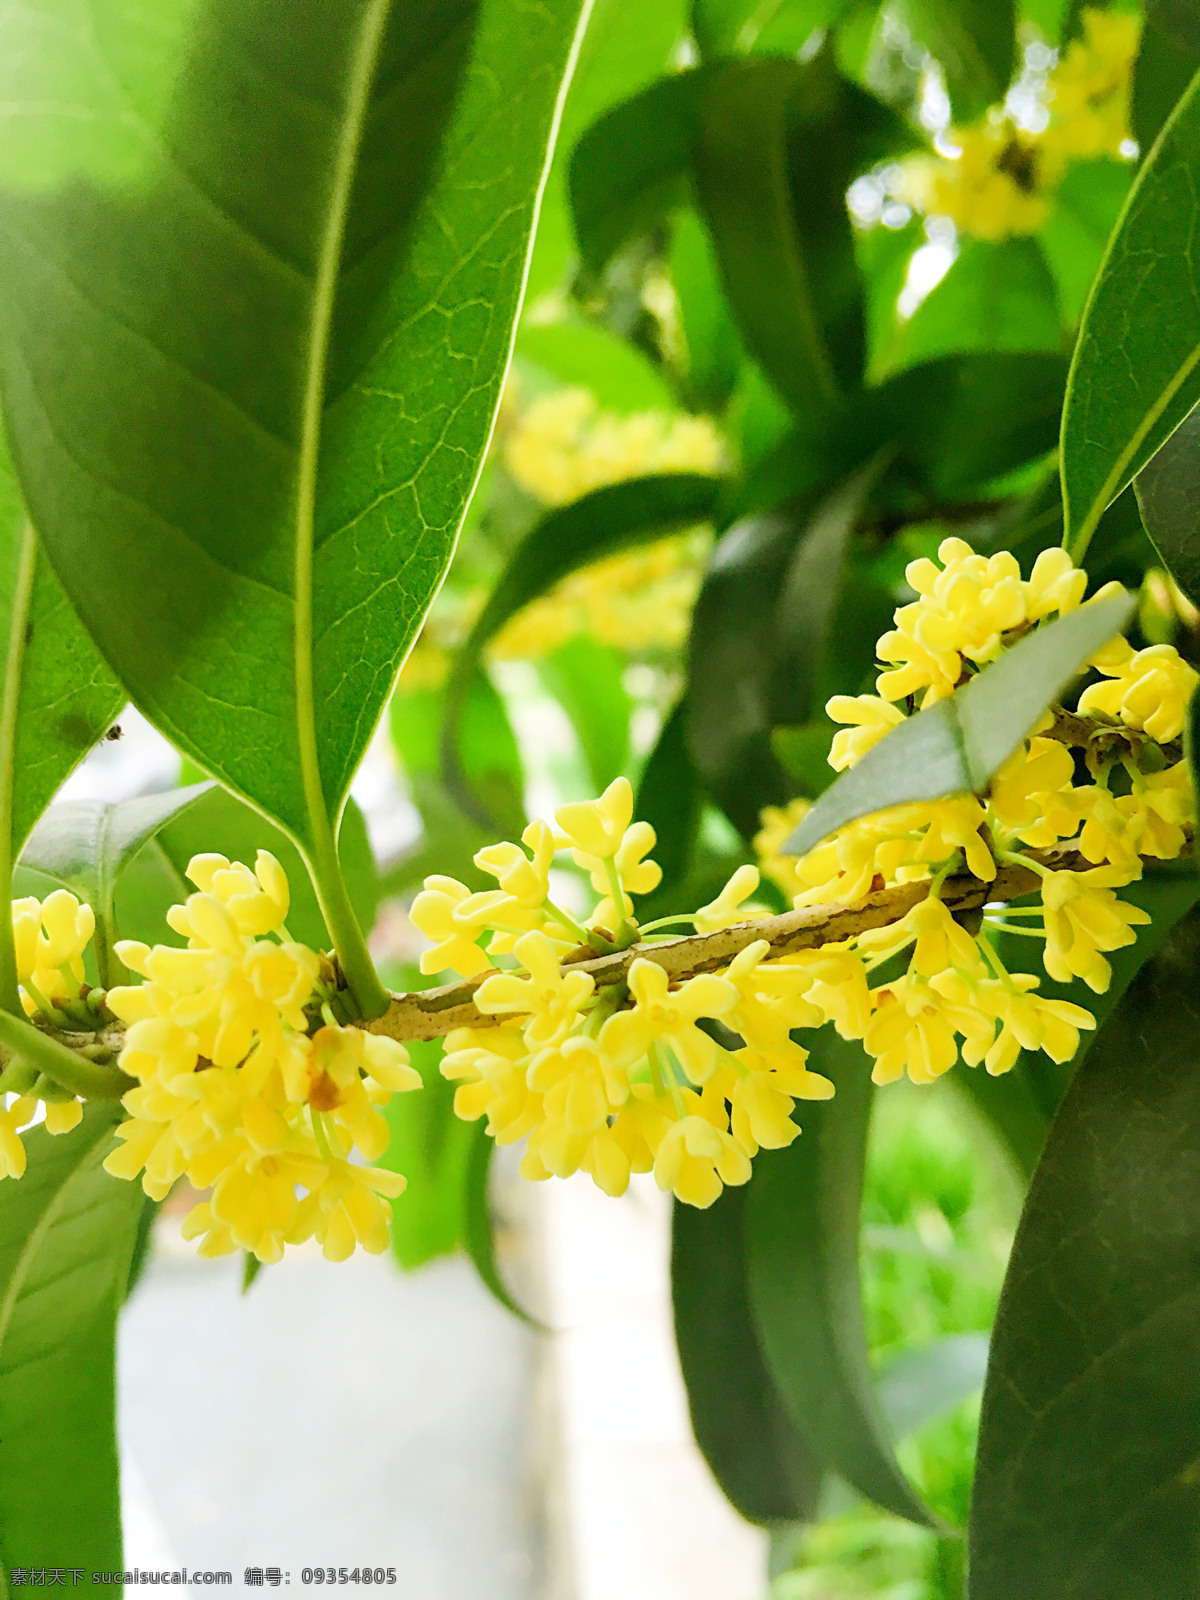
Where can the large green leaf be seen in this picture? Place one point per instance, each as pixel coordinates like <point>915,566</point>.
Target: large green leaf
<point>775,145</point>
<point>260,286</point>
<point>85,845</point>
<point>974,40</point>
<point>670,798</point>
<point>757,1454</point>
<point>802,1228</point>
<point>1135,373</point>
<point>954,746</point>
<point>1167,489</point>
<point>66,1239</point>
<point>56,696</point>
<point>1085,1483</point>
<point>713,345</point>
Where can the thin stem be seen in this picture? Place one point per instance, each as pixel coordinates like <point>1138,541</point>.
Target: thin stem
<point>47,1007</point>
<point>1008,927</point>
<point>567,920</point>
<point>997,966</point>
<point>664,922</point>
<point>354,958</point>
<point>666,1077</point>
<point>625,931</point>
<point>10,699</point>
<point>69,1070</point>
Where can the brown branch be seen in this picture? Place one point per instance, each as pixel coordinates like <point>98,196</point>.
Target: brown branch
<point>431,1013</point>
<point>1070,728</point>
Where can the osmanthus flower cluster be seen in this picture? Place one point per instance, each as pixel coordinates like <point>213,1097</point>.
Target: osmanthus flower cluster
<point>686,1078</point>
<point>1114,795</point>
<point>247,1083</point>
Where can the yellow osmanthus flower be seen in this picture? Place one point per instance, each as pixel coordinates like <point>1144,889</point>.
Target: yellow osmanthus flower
<point>242,1089</point>
<point>1002,181</point>
<point>1088,91</point>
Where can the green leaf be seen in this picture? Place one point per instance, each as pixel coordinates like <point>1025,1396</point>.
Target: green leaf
<point>954,746</point>
<point>1086,206</point>
<point>714,347</point>
<point>627,45</point>
<point>671,799</point>
<point>1167,489</point>
<point>756,1453</point>
<point>629,168</point>
<point>734,27</point>
<point>775,146</point>
<point>804,755</point>
<point>587,679</point>
<point>1085,1481</point>
<point>218,821</point>
<point>586,355</point>
<point>924,1383</point>
<point>1161,74</point>
<point>289,248</point>
<point>802,1228</point>
<point>56,696</point>
<point>479,1234</point>
<point>998,295</point>
<point>1134,374</point>
<point>974,40</point>
<point>599,524</point>
<point>66,1240</point>
<point>431,1147</point>
<point>760,635</point>
<point>85,845</point>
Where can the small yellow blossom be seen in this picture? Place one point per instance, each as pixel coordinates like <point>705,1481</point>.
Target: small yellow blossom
<point>669,1018</point>
<point>695,1160</point>
<point>728,908</point>
<point>1149,690</point>
<point>870,718</point>
<point>550,998</point>
<point>1083,919</point>
<point>778,825</point>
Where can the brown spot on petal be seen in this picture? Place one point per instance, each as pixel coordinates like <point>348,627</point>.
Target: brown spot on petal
<point>323,1092</point>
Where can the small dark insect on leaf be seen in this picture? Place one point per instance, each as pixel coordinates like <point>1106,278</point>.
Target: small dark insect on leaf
<point>114,733</point>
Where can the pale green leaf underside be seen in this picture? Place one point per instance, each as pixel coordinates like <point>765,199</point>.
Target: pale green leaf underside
<point>954,746</point>
<point>264,292</point>
<point>1136,369</point>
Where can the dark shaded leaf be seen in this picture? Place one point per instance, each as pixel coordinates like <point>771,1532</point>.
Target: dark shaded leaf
<point>1168,495</point>
<point>954,746</point>
<point>802,1228</point>
<point>975,42</point>
<point>760,635</point>
<point>1164,68</point>
<point>1085,1481</point>
<point>431,1147</point>
<point>66,1240</point>
<point>757,1455</point>
<point>1146,304</point>
<point>630,168</point>
<point>479,1233</point>
<point>714,346</point>
<point>599,524</point>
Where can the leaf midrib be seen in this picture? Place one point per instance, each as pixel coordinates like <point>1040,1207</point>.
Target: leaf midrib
<point>323,303</point>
